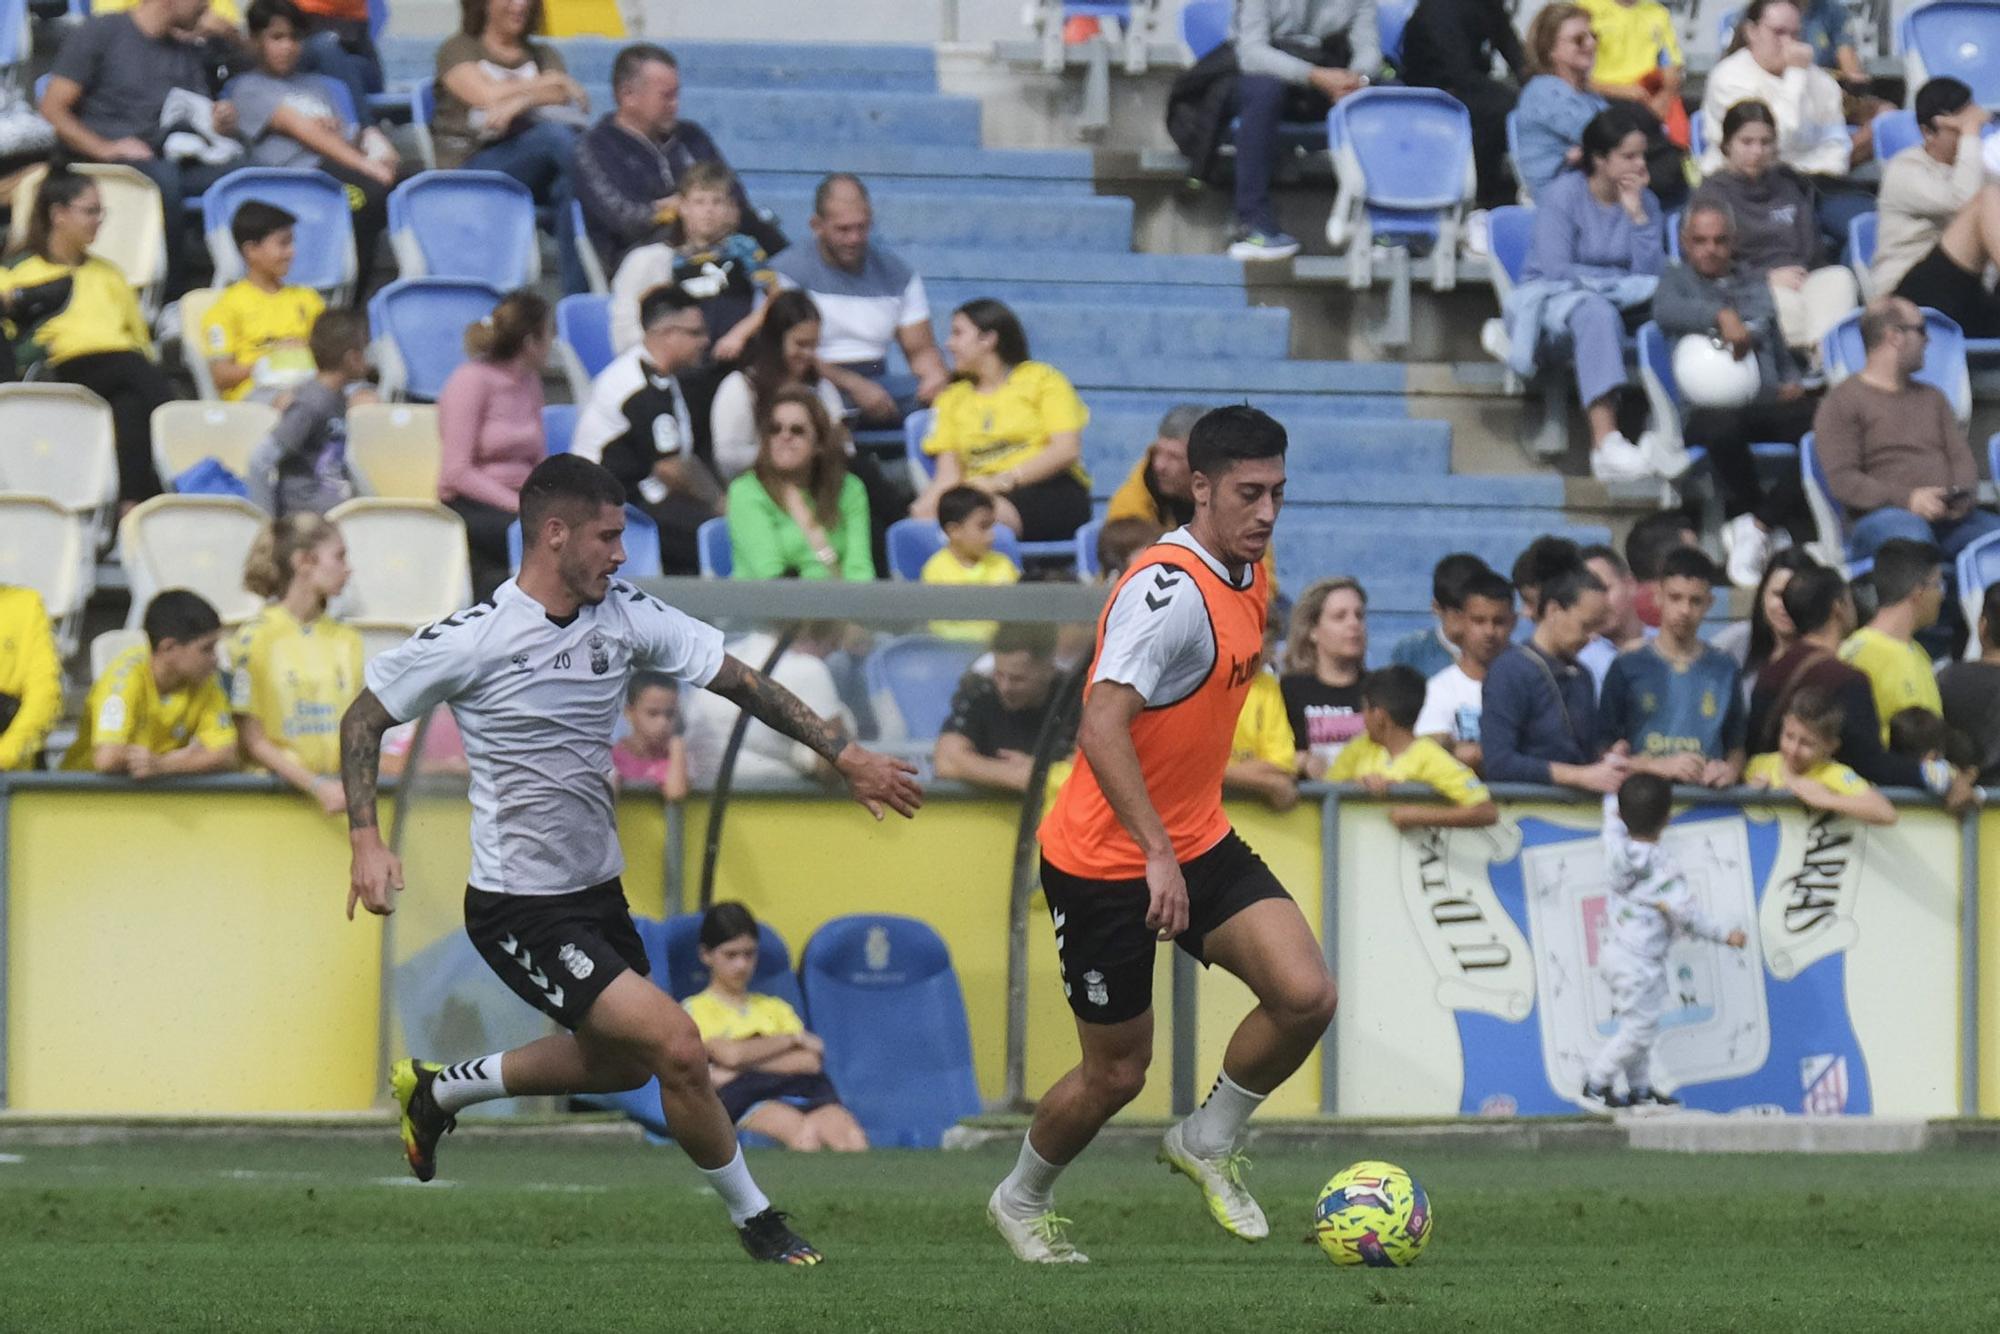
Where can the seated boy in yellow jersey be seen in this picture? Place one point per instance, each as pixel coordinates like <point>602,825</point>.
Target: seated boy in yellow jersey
<point>255,334</point>
<point>768,1071</point>
<point>293,670</point>
<point>967,557</point>
<point>30,678</point>
<point>1909,590</point>
<point>1803,764</point>
<point>1263,754</point>
<point>159,709</point>
<point>1391,752</point>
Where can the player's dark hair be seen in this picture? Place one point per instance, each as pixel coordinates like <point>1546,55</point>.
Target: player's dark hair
<point>565,486</point>
<point>1902,566</point>
<point>961,503</point>
<point>1689,563</point>
<point>660,302</point>
<point>1226,436</point>
<point>1645,804</point>
<point>264,13</point>
<point>724,922</point>
<point>1450,576</point>
<point>1817,709</point>
<point>1490,585</point>
<point>258,221</point>
<point>335,333</point>
<point>1813,596</point>
<point>180,615</point>
<point>1035,638</point>
<point>1398,691</point>
<point>1917,733</point>
<point>641,682</point>
<point>1942,96</point>
<point>1651,538</point>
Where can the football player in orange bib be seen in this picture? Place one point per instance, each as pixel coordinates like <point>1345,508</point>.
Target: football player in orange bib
<point>1137,849</point>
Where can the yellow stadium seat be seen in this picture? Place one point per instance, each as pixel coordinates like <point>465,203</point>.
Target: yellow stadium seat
<point>44,547</point>
<point>56,441</point>
<point>193,542</point>
<point>408,566</point>
<point>185,433</point>
<point>395,450</point>
<point>194,308</point>
<point>109,645</point>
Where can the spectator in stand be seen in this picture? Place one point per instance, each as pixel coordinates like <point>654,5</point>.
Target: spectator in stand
<point>1769,631</point>
<point>108,88</point>
<point>1451,44</point>
<point>31,685</point>
<point>506,103</point>
<point>338,42</point>
<point>1646,548</point>
<point>1557,102</point>
<point>1010,427</point>
<point>1597,254</point>
<point>1391,752</point>
<point>967,557</point>
<point>293,669</point>
<point>1431,651</point>
<point>1538,719</point>
<point>996,721</point>
<point>255,334</point>
<point>1969,691</point>
<point>629,165</point>
<point>1454,696</point>
<point>1621,628</point>
<point>1263,753</point>
<point>1158,489</point>
<point>1804,761</point>
<point>1938,216</point>
<point>1326,651</point>
<point>652,753</point>
<point>1769,209</point>
<point>767,755</point>
<point>1639,58</point>
<point>302,465</point>
<point>867,297</point>
<point>1768,63</point>
<point>647,421</point>
<point>1121,540</point>
<point>1540,561</point>
<point>1709,295</point>
<point>159,709</point>
<point>1674,704</point>
<point>782,353</point>
<point>799,513</point>
<point>1909,593</point>
<point>1295,59</point>
<point>99,339</point>
<point>287,121</point>
<point>1823,27</point>
<point>490,428</point>
<point>1894,454</point>
<point>713,256</point>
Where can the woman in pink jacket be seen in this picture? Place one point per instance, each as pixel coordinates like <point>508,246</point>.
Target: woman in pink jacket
<point>490,424</point>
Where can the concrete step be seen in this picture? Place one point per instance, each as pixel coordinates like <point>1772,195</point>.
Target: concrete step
<point>948,293</point>
<point>1107,385</point>
<point>1096,224</point>
<point>1314,546</point>
<point>1079,270</point>
<point>1062,333</point>
<point>901,166</point>
<point>1375,447</point>
<point>756,65</point>
<point>1196,377</point>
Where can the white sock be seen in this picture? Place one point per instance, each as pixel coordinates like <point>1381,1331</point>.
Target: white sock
<point>468,1082</point>
<point>1212,1129</point>
<point>1030,1188</point>
<point>739,1193</point>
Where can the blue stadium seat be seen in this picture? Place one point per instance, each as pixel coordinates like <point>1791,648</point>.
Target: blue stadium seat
<point>1725,30</point>
<point>1511,231</point>
<point>922,466</point>
<point>1391,17</point>
<point>423,110</point>
<point>583,340</point>
<point>558,426</point>
<point>1861,253</point>
<point>673,947</point>
<point>1894,132</point>
<point>1978,566</point>
<point>1404,158</point>
<point>1944,357</point>
<point>1953,37</point>
<point>642,545</point>
<point>514,544</point>
<point>465,224</point>
<point>1663,396</point>
<point>918,674</point>
<point>885,998</point>
<point>1087,566</point>
<point>1204,25</point>
<point>1828,514</point>
<point>712,549</point>
<point>419,327</point>
<point>593,263</point>
<point>1671,224</point>
<point>911,542</point>
<point>324,256</point>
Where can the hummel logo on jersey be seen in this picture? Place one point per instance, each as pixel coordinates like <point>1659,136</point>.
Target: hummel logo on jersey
<point>1166,584</point>
<point>580,965</point>
<point>453,621</point>
<point>518,952</point>
<point>1244,670</point>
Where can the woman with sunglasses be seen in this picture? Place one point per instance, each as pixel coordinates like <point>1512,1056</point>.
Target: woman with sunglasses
<point>799,513</point>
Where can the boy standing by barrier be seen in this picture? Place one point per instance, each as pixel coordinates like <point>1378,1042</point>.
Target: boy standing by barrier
<point>1391,752</point>
<point>1650,902</point>
<point>1803,764</point>
<point>159,709</point>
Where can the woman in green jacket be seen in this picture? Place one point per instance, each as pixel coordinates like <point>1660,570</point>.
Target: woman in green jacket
<point>798,513</point>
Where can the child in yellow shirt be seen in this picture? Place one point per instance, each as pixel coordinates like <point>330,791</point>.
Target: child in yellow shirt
<point>1391,752</point>
<point>967,517</point>
<point>159,709</point>
<point>1804,765</point>
<point>1263,752</point>
<point>255,335</point>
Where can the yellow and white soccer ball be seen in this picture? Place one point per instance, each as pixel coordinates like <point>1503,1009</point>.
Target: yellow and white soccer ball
<point>1373,1214</point>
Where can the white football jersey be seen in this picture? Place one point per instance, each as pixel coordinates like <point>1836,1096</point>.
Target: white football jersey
<point>536,701</point>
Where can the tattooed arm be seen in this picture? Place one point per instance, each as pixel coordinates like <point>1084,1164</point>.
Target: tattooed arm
<point>374,870</point>
<point>875,780</point>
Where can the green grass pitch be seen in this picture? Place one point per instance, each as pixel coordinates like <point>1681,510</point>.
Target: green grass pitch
<point>268,1232</point>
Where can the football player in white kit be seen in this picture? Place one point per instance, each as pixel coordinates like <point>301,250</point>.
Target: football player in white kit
<point>535,679</point>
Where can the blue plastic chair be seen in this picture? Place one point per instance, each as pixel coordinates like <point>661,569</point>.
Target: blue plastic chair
<point>1204,25</point>
<point>1663,395</point>
<point>919,675</point>
<point>1087,566</point>
<point>711,542</point>
<point>922,466</point>
<point>1725,30</point>
<point>911,542</point>
<point>422,323</point>
<point>465,224</point>
<point>1978,567</point>
<point>558,426</point>
<point>1391,17</point>
<point>673,947</point>
<point>1671,224</point>
<point>324,257</point>
<point>1956,38</point>
<point>1412,151</point>
<point>1511,231</point>
<point>583,340</point>
<point>423,110</point>
<point>1944,357</point>
<point>887,1002</point>
<point>1861,251</point>
<point>1828,514</point>
<point>586,250</point>
<point>1894,132</point>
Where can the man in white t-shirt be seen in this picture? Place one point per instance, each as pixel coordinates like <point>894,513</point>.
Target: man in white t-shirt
<point>536,678</point>
<point>1453,697</point>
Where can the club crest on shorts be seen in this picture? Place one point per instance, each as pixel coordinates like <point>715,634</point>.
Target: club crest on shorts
<point>580,965</point>
<point>1094,989</point>
<point>600,658</point>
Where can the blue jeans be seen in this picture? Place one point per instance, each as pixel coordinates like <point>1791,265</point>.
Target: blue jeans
<point>899,385</point>
<point>539,157</point>
<point>1953,536</point>
<point>344,51</point>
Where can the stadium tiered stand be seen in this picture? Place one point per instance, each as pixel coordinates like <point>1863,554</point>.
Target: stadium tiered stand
<point>186,432</point>
<point>323,239</point>
<point>465,224</point>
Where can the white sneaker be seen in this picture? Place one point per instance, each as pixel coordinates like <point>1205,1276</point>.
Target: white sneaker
<point>1038,1240</point>
<point>1617,459</point>
<point>1747,549</point>
<point>1221,1181</point>
<point>1477,238</point>
<point>1667,457</point>
<point>1493,338</point>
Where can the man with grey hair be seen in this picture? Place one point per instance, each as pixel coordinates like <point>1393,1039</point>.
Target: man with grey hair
<point>1707,295</point>
<point>1158,489</point>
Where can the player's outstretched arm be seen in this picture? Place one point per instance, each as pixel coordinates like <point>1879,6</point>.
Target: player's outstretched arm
<point>877,781</point>
<point>374,871</point>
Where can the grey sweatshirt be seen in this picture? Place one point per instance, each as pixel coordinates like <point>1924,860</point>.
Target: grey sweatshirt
<point>1257,24</point>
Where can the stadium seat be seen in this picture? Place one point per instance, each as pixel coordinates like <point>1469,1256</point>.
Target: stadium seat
<point>1944,357</point>
<point>394,449</point>
<point>1894,131</point>
<point>1828,515</point>
<point>1978,566</point>
<point>583,340</point>
<point>133,233</point>
<point>915,677</point>
<point>718,561</point>
<point>1391,17</point>
<point>423,110</point>
<point>465,224</point>
<point>107,646</point>
<point>1510,230</point>
<point>45,547</point>
<point>1663,396</point>
<point>186,432</point>
<point>408,563</point>
<point>1086,549</point>
<point>419,325</point>
<point>16,36</point>
<point>56,441</point>
<point>196,542</point>
<point>324,258</point>
<point>922,466</point>
<point>558,426</point>
<point>593,264</point>
<point>886,1000</point>
<point>1204,25</point>
<point>194,308</point>
<point>1514,157</point>
<point>673,948</point>
<point>1960,38</point>
<point>1671,225</point>
<point>1861,253</point>
<point>911,542</point>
